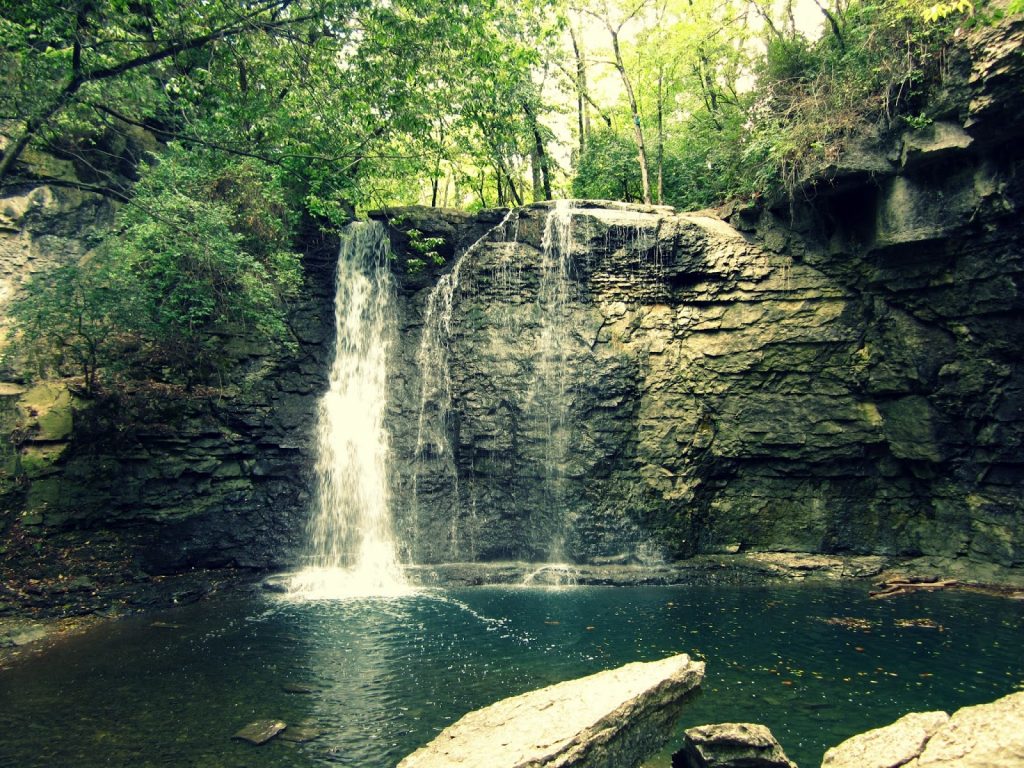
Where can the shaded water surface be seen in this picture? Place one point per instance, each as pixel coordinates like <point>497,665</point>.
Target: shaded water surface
<point>814,663</point>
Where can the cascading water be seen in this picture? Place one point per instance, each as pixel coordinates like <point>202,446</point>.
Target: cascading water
<point>550,396</point>
<point>352,550</point>
<point>433,452</point>
<point>545,406</point>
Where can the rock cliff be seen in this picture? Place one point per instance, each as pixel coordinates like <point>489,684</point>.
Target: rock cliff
<point>841,374</point>
<point>612,383</point>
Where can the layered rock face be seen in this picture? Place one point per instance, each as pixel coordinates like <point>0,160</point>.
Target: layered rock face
<point>698,391</point>
<point>617,382</point>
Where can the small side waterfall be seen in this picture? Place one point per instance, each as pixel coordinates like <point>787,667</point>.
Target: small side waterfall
<point>352,550</point>
<point>433,453</point>
<point>550,395</point>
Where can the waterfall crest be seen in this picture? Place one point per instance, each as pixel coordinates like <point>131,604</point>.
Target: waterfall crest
<point>351,545</point>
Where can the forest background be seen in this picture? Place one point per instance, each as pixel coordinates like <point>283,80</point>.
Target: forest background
<point>222,130</point>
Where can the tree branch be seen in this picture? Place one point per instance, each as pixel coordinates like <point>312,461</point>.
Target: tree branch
<point>80,77</point>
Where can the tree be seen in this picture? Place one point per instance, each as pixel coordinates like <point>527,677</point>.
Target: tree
<point>67,56</point>
<point>75,320</point>
<point>614,20</point>
<point>200,254</point>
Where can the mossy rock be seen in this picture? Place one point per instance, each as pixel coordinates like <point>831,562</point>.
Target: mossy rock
<point>51,406</point>
<point>43,494</point>
<point>34,460</point>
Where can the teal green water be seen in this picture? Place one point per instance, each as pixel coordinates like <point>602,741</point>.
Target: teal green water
<point>170,690</point>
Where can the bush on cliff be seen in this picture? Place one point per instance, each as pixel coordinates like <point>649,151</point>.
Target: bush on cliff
<point>202,249</point>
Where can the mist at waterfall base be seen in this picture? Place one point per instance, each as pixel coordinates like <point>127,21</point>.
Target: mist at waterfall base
<point>814,663</point>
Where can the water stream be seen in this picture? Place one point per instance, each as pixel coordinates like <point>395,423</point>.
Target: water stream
<point>352,549</point>
<point>434,454</point>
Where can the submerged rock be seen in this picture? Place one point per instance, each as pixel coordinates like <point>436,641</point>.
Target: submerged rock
<point>615,718</point>
<point>300,733</point>
<point>260,731</point>
<point>18,634</point>
<point>299,688</point>
<point>974,737</point>
<point>731,745</point>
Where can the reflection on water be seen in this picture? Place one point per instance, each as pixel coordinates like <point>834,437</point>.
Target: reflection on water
<point>381,677</point>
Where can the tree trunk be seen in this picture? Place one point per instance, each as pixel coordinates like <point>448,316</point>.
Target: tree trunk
<point>638,130</point>
<point>661,138</point>
<point>582,107</point>
<point>538,158</point>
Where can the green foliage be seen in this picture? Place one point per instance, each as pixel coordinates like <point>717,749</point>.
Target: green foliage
<point>426,246</point>
<point>870,71</point>
<point>607,169</point>
<point>201,253</point>
<point>78,319</point>
<point>790,59</point>
<point>943,10</point>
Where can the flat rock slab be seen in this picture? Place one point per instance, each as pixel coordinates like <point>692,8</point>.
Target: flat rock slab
<point>614,719</point>
<point>260,731</point>
<point>979,737</point>
<point>731,745</point>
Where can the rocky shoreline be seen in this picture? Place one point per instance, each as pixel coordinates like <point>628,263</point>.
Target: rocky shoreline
<point>745,568</point>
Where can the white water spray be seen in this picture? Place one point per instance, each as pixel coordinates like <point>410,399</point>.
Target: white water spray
<point>352,550</point>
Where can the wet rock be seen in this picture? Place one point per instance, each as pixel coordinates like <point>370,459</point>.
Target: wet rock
<point>299,688</point>
<point>615,718</point>
<point>260,731</point>
<point>889,747</point>
<point>300,733</point>
<point>731,745</point>
<point>934,143</point>
<point>20,634</point>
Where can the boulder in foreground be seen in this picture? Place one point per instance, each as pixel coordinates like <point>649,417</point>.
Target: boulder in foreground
<point>614,719</point>
<point>889,747</point>
<point>731,745</point>
<point>983,736</point>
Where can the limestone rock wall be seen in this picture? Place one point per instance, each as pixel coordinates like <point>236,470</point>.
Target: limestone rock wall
<point>212,478</point>
<point>841,374</point>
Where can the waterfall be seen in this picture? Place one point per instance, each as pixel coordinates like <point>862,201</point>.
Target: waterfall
<point>434,454</point>
<point>549,397</point>
<point>351,549</point>
<point>545,405</point>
